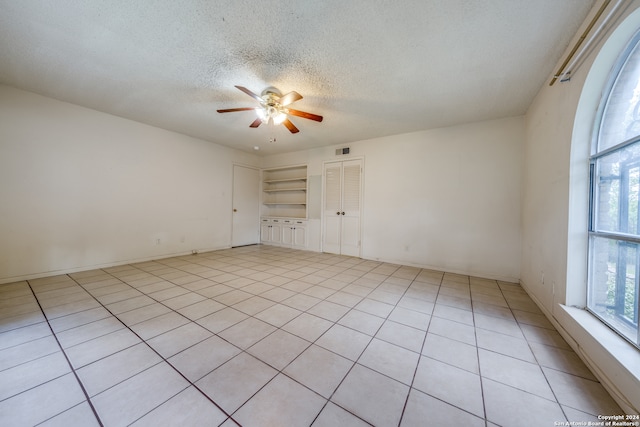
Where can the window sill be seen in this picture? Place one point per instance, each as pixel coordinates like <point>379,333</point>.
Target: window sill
<point>614,361</point>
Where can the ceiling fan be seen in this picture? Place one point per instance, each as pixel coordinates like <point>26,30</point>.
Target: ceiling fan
<point>273,108</point>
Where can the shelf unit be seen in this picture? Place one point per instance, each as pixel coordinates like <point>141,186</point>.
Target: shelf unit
<point>284,192</point>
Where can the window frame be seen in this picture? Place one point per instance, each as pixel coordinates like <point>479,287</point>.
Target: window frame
<point>593,232</point>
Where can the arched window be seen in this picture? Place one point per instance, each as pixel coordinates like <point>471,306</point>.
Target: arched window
<point>614,225</point>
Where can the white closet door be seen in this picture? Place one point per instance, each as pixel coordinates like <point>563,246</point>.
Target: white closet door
<point>342,207</point>
<point>332,207</point>
<point>350,233</point>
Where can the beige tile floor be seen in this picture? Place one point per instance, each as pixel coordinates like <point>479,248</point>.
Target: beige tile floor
<point>267,336</point>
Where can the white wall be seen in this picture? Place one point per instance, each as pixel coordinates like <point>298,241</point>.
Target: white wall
<point>80,189</point>
<point>446,198</point>
<point>558,128</point>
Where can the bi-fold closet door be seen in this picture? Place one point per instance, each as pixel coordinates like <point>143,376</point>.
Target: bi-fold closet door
<point>342,207</point>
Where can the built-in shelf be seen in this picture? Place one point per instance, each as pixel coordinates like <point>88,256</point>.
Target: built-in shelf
<point>282,203</point>
<point>269,181</point>
<point>284,192</point>
<point>286,189</point>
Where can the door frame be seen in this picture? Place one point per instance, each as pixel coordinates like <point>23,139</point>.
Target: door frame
<point>322,217</point>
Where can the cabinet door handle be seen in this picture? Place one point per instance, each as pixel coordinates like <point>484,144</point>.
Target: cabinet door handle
<point>337,213</point>
<point>342,213</point>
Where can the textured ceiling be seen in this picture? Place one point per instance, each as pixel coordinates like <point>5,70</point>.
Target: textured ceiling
<point>370,67</point>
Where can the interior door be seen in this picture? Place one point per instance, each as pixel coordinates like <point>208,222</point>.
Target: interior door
<point>342,207</point>
<point>332,213</point>
<point>350,232</point>
<point>246,206</point>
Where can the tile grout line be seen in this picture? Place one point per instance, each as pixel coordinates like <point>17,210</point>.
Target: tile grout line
<point>363,273</point>
<point>64,353</point>
<point>328,400</point>
<point>449,364</point>
<point>537,363</point>
<point>163,359</point>
<point>334,322</point>
<point>157,353</point>
<point>356,361</point>
<point>475,335</point>
<point>239,261</point>
<point>452,365</point>
<point>534,357</point>
<point>281,371</point>
<point>424,341</point>
<point>361,353</point>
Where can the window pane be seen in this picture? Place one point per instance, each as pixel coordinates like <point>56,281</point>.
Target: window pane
<point>617,186</point>
<point>631,217</point>
<point>614,252</point>
<point>613,294</point>
<point>621,117</point>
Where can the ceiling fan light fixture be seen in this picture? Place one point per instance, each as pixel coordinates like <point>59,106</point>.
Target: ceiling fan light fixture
<point>262,115</point>
<point>271,114</point>
<point>279,117</point>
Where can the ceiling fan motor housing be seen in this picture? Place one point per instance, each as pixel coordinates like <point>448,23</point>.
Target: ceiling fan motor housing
<point>271,92</point>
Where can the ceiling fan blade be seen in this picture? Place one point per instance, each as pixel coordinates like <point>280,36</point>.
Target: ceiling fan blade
<point>289,98</point>
<point>231,110</point>
<point>292,128</point>
<point>251,94</point>
<point>256,123</point>
<point>304,115</point>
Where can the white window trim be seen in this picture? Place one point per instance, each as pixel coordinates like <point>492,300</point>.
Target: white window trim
<point>613,360</point>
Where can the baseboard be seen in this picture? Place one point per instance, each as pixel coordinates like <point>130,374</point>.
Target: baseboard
<point>39,275</point>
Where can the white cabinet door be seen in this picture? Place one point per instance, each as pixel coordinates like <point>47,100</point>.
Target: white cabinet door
<point>265,231</point>
<point>276,232</point>
<point>270,231</point>
<point>342,207</point>
<point>287,234</point>
<point>300,237</point>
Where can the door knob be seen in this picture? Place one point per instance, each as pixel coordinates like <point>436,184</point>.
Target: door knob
<point>337,213</point>
<point>235,210</point>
